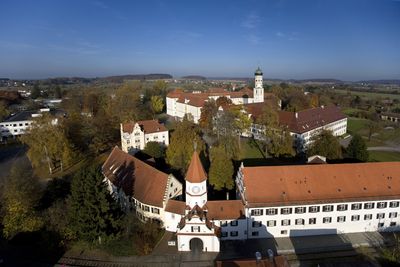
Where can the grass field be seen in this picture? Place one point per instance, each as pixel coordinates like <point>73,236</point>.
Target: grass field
<point>369,94</point>
<point>384,156</point>
<point>251,149</point>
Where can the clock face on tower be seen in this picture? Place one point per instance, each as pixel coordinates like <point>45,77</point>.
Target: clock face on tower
<point>195,189</point>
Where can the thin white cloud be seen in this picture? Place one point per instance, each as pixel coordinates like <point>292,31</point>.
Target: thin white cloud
<point>100,4</point>
<point>293,36</point>
<point>280,34</point>
<point>251,21</point>
<point>253,39</point>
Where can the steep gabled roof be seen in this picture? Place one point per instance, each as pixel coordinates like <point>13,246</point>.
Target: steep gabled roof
<point>136,178</point>
<point>195,172</point>
<point>148,126</point>
<point>320,183</point>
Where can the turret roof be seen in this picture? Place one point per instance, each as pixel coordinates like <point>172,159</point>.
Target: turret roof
<point>258,71</point>
<point>195,172</point>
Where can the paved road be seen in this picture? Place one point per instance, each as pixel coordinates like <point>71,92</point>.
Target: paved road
<point>384,148</point>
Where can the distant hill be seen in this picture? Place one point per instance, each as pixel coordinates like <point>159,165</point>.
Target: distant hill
<point>121,78</point>
<point>194,77</point>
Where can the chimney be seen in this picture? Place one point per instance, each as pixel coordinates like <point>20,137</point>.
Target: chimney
<point>297,115</point>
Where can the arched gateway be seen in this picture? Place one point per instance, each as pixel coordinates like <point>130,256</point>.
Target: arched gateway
<point>196,245</point>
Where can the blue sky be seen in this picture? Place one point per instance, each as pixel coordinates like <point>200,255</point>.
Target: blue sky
<point>347,39</point>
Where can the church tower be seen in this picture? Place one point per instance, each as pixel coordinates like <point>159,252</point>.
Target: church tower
<point>258,91</point>
<point>196,183</point>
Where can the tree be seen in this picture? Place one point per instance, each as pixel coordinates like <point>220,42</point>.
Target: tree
<point>126,104</point>
<point>35,93</point>
<point>357,149</point>
<point>325,144</point>
<point>227,132</point>
<point>281,144</point>
<point>93,214</point>
<point>157,104</point>
<point>4,112</point>
<point>242,121</point>
<point>48,144</point>
<point>208,113</point>
<point>21,193</point>
<point>221,169</point>
<point>373,127</point>
<point>181,147</point>
<point>223,101</point>
<point>154,149</point>
<point>57,92</point>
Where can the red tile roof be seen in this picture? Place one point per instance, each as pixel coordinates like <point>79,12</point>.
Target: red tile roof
<point>309,119</point>
<point>283,185</point>
<point>195,172</point>
<point>225,209</point>
<point>176,206</point>
<point>136,178</point>
<point>148,126</point>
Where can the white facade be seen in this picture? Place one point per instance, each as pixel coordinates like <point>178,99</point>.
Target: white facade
<point>178,106</point>
<point>196,193</point>
<point>19,123</point>
<point>138,138</point>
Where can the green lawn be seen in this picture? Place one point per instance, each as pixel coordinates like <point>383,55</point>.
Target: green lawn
<point>356,125</point>
<point>251,149</point>
<point>384,156</point>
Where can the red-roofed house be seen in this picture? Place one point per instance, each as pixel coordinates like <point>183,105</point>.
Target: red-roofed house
<point>135,135</point>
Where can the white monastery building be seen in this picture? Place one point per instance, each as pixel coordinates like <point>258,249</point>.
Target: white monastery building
<point>272,201</point>
<point>303,125</point>
<point>135,135</point>
<point>180,103</point>
<point>19,123</point>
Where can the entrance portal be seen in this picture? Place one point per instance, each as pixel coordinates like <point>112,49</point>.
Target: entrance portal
<point>196,245</point>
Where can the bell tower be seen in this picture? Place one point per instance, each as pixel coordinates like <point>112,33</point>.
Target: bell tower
<point>196,183</point>
<point>258,91</point>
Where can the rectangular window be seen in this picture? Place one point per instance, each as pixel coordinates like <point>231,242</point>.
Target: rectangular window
<point>146,208</point>
<point>271,223</point>
<point>285,222</point>
<point>392,215</point>
<point>234,223</point>
<point>327,219</point>
<point>234,233</point>
<point>355,218</point>
<point>223,223</point>
<point>299,222</point>
<point>300,210</point>
<point>286,211</point>
<point>380,225</point>
<point>284,232</point>
<point>155,210</point>
<point>394,204</point>
<point>327,208</point>
<point>313,209</point>
<point>356,206</point>
<point>195,229</point>
<point>312,221</point>
<point>368,217</point>
<point>256,224</point>
<point>380,215</point>
<point>381,205</point>
<point>392,223</point>
<point>341,219</point>
<point>224,234</point>
<point>341,207</point>
<point>256,212</point>
<point>369,205</point>
<point>271,211</point>
<point>255,233</point>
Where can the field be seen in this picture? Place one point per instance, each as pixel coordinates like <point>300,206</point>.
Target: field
<point>369,94</point>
